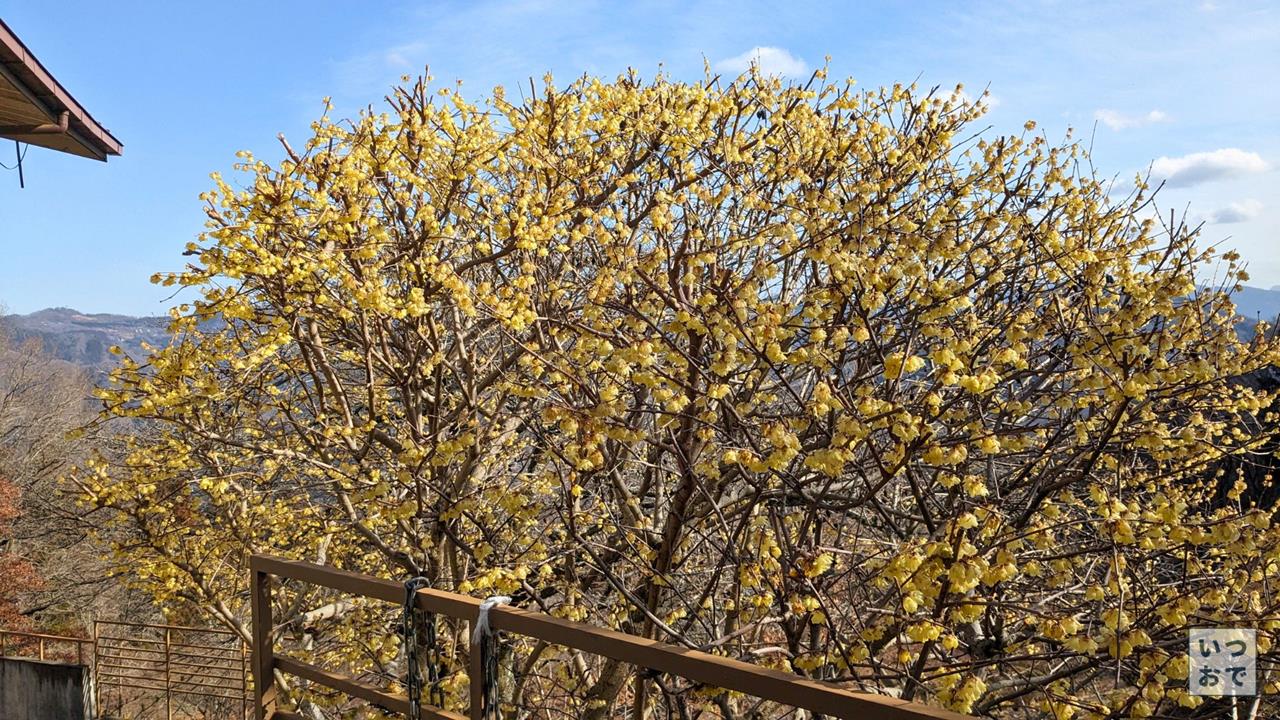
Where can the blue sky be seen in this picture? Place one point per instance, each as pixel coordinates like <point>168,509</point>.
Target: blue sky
<point>1189,86</point>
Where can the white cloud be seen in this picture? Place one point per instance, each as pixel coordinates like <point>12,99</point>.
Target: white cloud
<point>1202,167</point>
<point>770,60</point>
<point>1235,212</point>
<point>399,57</point>
<point>1117,120</point>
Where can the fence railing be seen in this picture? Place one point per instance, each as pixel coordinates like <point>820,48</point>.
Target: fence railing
<point>712,670</point>
<point>17,641</point>
<point>171,661</point>
<point>182,670</point>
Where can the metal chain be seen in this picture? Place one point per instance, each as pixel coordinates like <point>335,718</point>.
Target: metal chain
<point>487,641</point>
<point>489,645</point>
<point>413,621</point>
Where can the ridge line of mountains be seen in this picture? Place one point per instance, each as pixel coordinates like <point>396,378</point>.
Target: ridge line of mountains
<point>85,339</point>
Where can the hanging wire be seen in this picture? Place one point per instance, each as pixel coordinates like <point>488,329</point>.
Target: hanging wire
<point>17,148</point>
<point>417,629</point>
<point>21,154</point>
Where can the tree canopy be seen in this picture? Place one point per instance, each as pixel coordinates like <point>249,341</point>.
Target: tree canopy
<point>827,379</point>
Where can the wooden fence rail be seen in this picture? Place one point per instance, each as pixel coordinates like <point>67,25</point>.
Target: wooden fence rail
<point>764,683</point>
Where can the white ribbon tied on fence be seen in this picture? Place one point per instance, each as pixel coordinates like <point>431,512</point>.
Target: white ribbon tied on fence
<point>482,618</point>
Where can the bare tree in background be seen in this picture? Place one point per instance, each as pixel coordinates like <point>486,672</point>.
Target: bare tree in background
<point>56,574</point>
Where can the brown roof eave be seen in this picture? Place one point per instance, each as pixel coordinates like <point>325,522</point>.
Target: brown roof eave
<point>23,70</point>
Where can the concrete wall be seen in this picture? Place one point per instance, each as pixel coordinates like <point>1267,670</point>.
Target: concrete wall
<point>38,690</point>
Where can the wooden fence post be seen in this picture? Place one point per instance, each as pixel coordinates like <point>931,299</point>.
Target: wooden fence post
<point>264,691</point>
<point>475,674</point>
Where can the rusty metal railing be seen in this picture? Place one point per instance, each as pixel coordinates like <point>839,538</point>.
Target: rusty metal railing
<point>712,670</point>
<point>179,668</point>
<point>19,641</point>
<point>181,664</point>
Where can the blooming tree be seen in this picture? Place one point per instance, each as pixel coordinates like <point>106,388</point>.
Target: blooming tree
<point>815,377</point>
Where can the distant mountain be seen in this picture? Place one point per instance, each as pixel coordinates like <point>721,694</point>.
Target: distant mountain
<point>1255,303</point>
<point>86,339</point>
